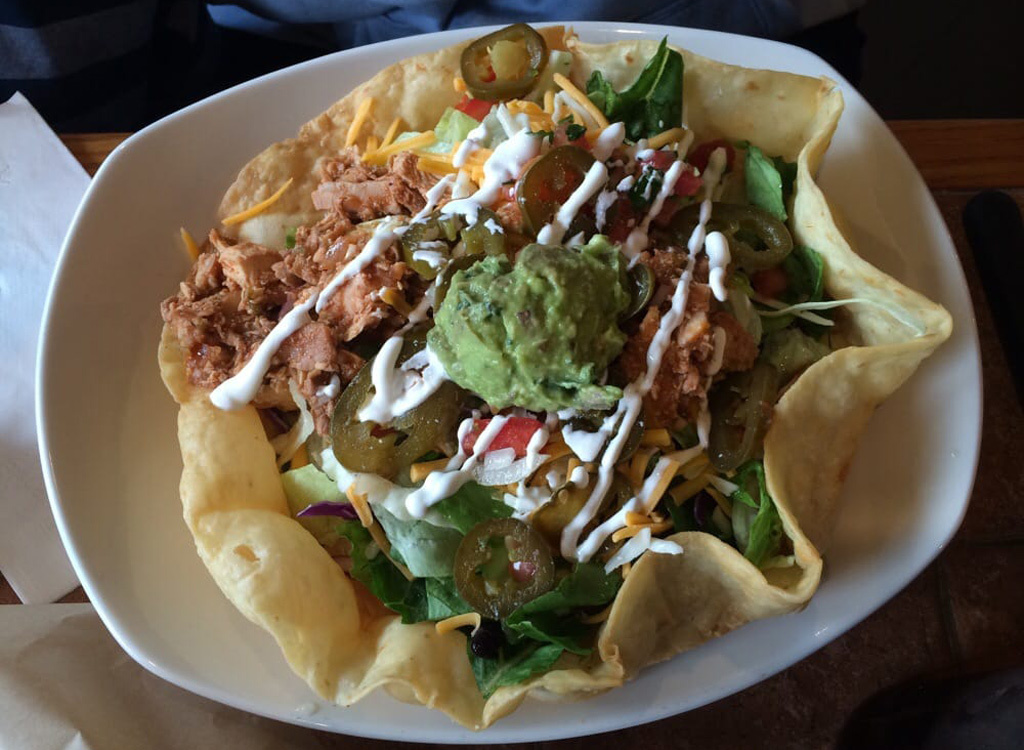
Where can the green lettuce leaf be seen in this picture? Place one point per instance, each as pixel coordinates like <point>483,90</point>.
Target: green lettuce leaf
<point>791,350</point>
<point>764,535</point>
<point>454,126</point>
<point>764,183</point>
<point>469,506</point>
<point>427,550</point>
<point>372,568</point>
<point>550,618</point>
<point>514,664</point>
<point>652,104</point>
<point>443,600</point>
<point>308,485</point>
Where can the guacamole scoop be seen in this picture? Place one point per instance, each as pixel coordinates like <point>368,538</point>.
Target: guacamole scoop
<point>538,333</point>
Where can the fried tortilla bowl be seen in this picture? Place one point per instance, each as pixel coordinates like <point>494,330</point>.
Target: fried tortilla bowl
<point>337,637</point>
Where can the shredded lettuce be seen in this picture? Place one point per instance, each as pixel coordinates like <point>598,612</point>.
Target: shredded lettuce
<point>304,487</point>
<point>515,663</point>
<point>469,506</point>
<point>427,550</point>
<point>454,126</point>
<point>791,350</point>
<point>653,103</point>
<point>769,181</point>
<point>549,618</point>
<point>764,535</point>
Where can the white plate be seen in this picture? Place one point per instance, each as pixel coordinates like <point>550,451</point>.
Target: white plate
<point>110,456</point>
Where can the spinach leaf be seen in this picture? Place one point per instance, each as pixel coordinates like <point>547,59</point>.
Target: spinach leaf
<point>381,577</point>
<point>550,618</point>
<point>443,600</point>
<point>765,531</point>
<point>469,506</point>
<point>427,550</point>
<point>514,664</point>
<point>652,104</point>
<point>764,183</point>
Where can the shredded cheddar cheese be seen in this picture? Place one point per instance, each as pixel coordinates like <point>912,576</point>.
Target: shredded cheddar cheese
<point>190,244</point>
<point>394,298</point>
<point>258,208</point>
<point>381,155</point>
<point>459,85</point>
<point>683,492</point>
<point>362,112</point>
<point>631,531</point>
<point>663,482</point>
<point>722,501</point>
<point>549,102</point>
<point>658,437</point>
<point>696,466</point>
<point>672,135</point>
<point>581,98</point>
<point>638,466</point>
<point>418,472</point>
<point>371,143</point>
<point>637,519</point>
<point>432,165</point>
<point>389,136</point>
<point>361,505</point>
<point>458,621</point>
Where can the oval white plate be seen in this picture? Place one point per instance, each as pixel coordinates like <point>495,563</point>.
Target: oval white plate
<point>108,443</point>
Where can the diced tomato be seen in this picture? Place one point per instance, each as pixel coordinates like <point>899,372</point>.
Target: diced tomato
<point>668,210</point>
<point>660,159</point>
<point>475,108</point>
<point>700,155</point>
<point>621,220</point>
<point>689,183</point>
<point>515,434</point>
<point>769,283</point>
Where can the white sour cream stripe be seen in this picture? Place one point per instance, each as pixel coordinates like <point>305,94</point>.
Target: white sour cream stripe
<point>382,238</point>
<point>553,233</point>
<point>433,196</point>
<point>241,388</point>
<point>609,139</point>
<point>473,140</point>
<point>717,247</point>
<point>441,484</point>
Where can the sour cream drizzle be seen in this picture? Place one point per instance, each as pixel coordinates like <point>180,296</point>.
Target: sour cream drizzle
<point>505,164</point>
<point>472,143</point>
<point>241,388</point>
<point>552,234</point>
<point>637,240</point>
<point>433,196</point>
<point>717,247</point>
<point>441,484</point>
<point>630,404</point>
<point>609,139</point>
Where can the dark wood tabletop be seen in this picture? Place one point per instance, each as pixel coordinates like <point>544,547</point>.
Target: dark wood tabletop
<point>963,614</point>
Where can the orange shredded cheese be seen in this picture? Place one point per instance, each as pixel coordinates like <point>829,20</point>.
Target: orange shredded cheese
<point>459,85</point>
<point>418,472</point>
<point>549,102</point>
<point>672,135</point>
<point>258,208</point>
<point>458,621</point>
<point>371,143</point>
<point>581,99</point>
<point>190,244</point>
<point>381,155</point>
<point>658,437</point>
<point>394,298</point>
<point>389,136</point>
<point>361,505</point>
<point>638,466</point>
<point>683,492</point>
<point>636,519</point>
<point>362,112</point>
<point>696,466</point>
<point>430,165</point>
<point>631,531</point>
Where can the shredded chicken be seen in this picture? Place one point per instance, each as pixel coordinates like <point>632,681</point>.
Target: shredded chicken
<point>363,192</point>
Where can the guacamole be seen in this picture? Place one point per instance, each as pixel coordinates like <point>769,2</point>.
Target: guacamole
<point>538,333</point>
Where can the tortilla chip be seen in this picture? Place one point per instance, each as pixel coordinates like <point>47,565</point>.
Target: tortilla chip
<point>279,577</point>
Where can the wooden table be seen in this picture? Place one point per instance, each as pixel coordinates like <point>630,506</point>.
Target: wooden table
<point>963,613</point>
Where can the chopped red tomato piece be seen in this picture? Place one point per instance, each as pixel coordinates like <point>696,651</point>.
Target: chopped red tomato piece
<point>515,433</point>
<point>770,282</point>
<point>688,184</point>
<point>700,155</point>
<point>660,159</point>
<point>621,220</point>
<point>475,108</point>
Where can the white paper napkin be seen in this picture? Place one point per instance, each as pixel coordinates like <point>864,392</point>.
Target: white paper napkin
<point>41,185</point>
<point>65,684</point>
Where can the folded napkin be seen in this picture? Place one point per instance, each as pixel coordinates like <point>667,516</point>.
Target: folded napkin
<point>65,684</point>
<point>41,185</point>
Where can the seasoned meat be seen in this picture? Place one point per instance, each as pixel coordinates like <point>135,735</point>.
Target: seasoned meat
<point>362,192</point>
<point>740,348</point>
<point>238,291</point>
<point>679,384</point>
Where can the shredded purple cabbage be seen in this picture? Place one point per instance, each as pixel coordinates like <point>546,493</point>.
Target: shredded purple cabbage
<point>328,508</point>
<point>703,506</point>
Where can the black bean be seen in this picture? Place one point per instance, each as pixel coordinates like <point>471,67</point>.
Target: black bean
<point>488,639</point>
